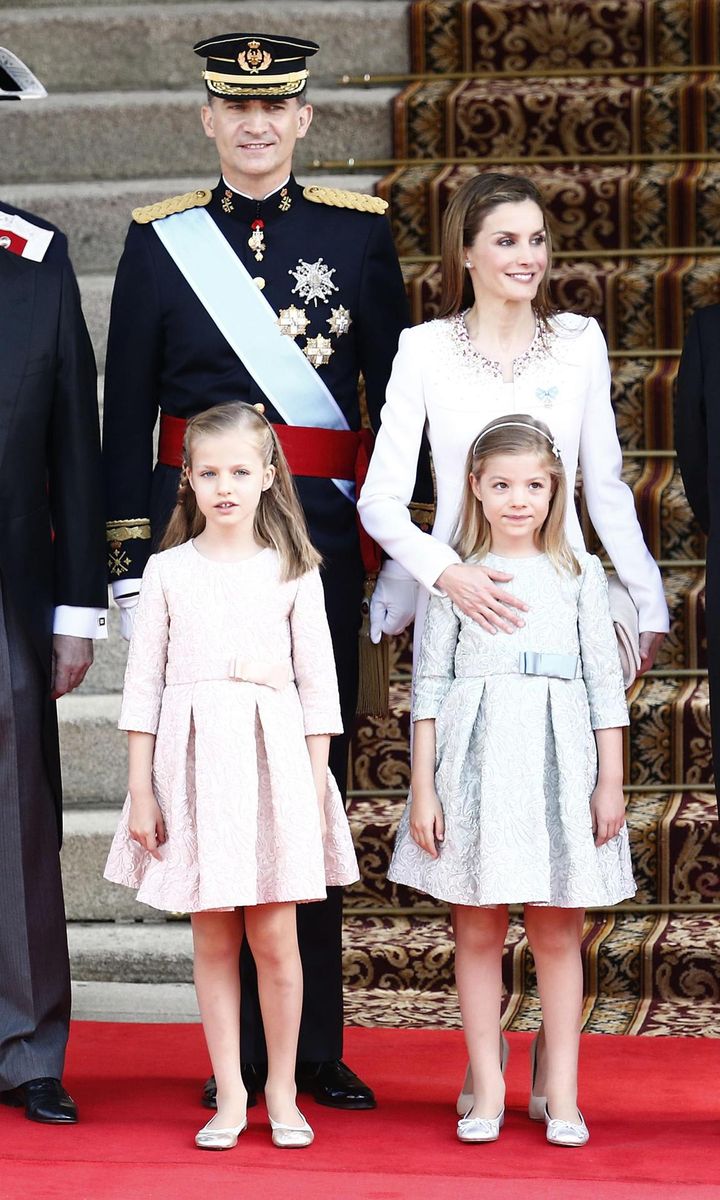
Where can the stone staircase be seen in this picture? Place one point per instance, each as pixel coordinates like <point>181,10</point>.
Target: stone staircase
<point>120,128</point>
<point>637,241</point>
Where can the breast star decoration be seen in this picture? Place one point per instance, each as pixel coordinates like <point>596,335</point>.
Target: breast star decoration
<point>318,350</point>
<point>340,321</point>
<point>292,321</point>
<point>314,281</point>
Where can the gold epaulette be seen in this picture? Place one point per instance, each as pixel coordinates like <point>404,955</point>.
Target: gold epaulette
<point>336,198</point>
<point>173,204</point>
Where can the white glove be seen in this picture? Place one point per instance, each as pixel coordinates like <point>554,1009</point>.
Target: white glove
<point>392,607</point>
<point>127,606</point>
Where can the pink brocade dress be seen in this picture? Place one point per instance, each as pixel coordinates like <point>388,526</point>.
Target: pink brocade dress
<point>231,669</point>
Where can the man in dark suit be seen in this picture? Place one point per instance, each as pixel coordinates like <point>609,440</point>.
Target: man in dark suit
<point>320,265</point>
<point>52,604</point>
<point>697,440</point>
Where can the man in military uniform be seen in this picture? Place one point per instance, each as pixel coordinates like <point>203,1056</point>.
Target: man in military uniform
<point>264,291</point>
<point>52,604</point>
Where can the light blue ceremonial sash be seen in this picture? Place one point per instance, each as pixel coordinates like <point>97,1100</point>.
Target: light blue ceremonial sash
<point>249,324</point>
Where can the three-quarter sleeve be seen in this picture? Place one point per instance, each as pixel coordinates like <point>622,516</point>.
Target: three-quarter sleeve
<point>313,659</point>
<point>388,488</point>
<point>147,658</point>
<point>436,663</point>
<point>610,502</point>
<point>601,668</point>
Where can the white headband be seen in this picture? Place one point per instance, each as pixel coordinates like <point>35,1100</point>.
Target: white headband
<point>516,425</point>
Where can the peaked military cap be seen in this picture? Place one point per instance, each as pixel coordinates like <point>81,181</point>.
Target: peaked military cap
<point>17,81</point>
<point>255,64</point>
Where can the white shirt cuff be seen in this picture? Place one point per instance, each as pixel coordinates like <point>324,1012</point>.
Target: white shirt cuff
<point>80,622</point>
<point>125,587</point>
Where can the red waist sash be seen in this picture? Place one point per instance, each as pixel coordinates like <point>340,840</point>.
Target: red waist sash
<point>319,453</point>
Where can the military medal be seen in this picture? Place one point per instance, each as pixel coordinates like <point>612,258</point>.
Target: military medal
<point>292,321</point>
<point>340,321</point>
<point>314,281</point>
<point>256,241</point>
<point>318,350</point>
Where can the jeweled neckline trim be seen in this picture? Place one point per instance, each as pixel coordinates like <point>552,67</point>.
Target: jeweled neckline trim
<point>460,337</point>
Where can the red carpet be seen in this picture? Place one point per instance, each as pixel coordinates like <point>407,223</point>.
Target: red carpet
<point>653,1106</point>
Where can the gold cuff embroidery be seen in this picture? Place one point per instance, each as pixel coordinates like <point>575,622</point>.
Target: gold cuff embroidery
<point>422,515</point>
<point>134,529</point>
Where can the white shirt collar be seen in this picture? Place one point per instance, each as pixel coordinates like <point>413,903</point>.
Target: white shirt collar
<point>262,198</point>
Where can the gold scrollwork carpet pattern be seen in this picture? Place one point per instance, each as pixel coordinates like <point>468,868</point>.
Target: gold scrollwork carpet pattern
<point>640,239</point>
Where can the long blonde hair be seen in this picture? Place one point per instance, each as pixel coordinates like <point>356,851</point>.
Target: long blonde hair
<point>463,219</point>
<point>279,518</point>
<point>514,434</point>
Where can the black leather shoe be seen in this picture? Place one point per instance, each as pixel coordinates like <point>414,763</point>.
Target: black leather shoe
<point>334,1084</point>
<point>251,1078</point>
<point>44,1100</point>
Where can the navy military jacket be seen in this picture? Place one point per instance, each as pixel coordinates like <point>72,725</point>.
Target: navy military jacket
<point>165,352</point>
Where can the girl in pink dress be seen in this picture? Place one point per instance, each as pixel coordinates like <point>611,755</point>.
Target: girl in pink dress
<point>230,700</point>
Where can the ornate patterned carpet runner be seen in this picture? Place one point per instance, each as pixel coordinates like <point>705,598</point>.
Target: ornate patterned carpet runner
<point>638,241</point>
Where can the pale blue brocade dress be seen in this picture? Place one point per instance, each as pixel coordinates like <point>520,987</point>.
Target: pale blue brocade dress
<point>516,758</point>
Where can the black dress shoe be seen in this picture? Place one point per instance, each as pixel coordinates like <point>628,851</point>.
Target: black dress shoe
<point>334,1084</point>
<point>44,1100</point>
<point>251,1078</point>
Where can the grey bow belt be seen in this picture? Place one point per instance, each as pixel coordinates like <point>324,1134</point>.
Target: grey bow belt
<point>533,662</point>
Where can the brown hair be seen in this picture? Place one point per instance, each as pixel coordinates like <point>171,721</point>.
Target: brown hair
<point>279,518</point>
<point>462,222</point>
<point>515,434</point>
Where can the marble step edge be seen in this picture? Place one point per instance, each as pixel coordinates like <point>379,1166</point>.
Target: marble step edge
<point>95,215</point>
<point>142,134</point>
<point>88,831</point>
<point>89,47</point>
<point>397,952</point>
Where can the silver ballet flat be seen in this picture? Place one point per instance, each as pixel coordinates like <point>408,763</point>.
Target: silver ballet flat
<point>291,1137</point>
<point>466,1099</point>
<point>566,1133</point>
<point>536,1104</point>
<point>480,1129</point>
<point>218,1139</point>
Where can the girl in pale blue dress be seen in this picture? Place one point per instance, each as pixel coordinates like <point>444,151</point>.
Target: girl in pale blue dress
<point>517,767</point>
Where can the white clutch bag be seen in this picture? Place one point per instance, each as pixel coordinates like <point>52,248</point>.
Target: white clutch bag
<point>627,629</point>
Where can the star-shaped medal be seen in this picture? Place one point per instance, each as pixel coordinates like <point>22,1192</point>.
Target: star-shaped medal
<point>340,321</point>
<point>319,350</point>
<point>292,321</point>
<point>314,281</point>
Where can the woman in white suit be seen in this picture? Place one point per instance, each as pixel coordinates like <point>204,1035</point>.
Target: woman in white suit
<point>497,348</point>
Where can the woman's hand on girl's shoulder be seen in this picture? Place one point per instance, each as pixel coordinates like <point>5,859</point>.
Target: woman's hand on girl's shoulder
<point>607,807</point>
<point>427,824</point>
<point>474,590</point>
<point>145,822</point>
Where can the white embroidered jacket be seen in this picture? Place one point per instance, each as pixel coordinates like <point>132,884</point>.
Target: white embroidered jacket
<point>441,383</point>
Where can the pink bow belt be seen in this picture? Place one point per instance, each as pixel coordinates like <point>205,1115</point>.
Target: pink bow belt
<point>244,670</point>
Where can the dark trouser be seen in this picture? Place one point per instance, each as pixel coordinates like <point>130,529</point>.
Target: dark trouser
<point>319,925</point>
<point>34,969</point>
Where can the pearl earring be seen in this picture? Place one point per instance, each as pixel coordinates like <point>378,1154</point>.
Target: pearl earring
<point>468,264</point>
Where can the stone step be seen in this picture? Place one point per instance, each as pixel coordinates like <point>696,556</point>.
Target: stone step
<point>92,48</point>
<point>96,215</point>
<point>668,740</point>
<point>142,1002</point>
<point>144,134</point>
<point>674,838</point>
<point>641,304</point>
<point>575,117</point>
<point>629,959</point>
<point>591,205</point>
